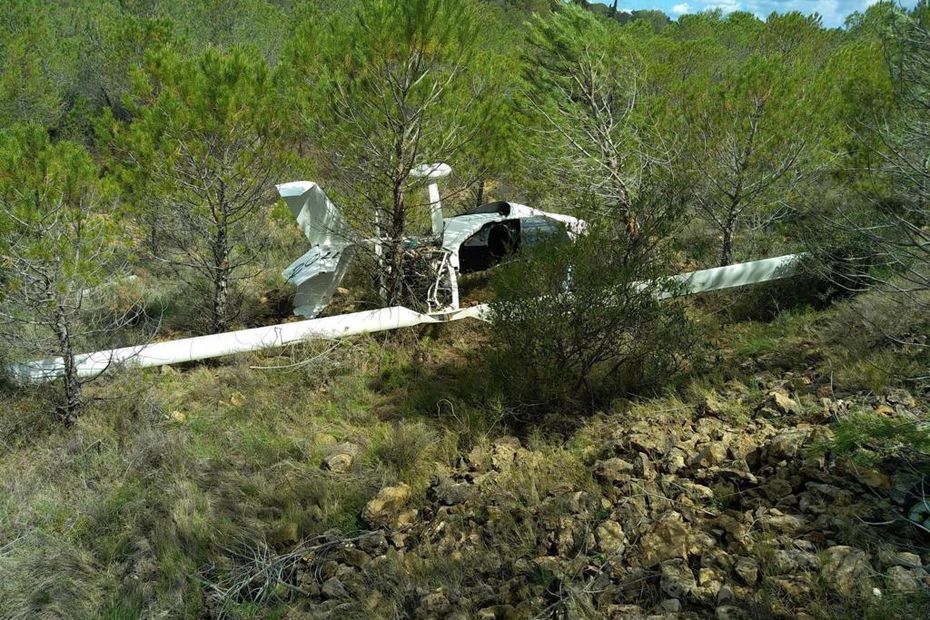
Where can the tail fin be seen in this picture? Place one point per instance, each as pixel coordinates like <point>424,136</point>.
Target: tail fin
<point>317,216</point>
<point>317,273</point>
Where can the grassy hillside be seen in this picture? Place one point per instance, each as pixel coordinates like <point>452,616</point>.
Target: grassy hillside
<point>242,488</point>
<point>603,448</point>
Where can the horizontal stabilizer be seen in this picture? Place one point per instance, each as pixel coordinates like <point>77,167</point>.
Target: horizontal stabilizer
<point>316,275</point>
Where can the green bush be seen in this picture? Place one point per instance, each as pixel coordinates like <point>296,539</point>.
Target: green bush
<point>869,438</point>
<point>576,324</point>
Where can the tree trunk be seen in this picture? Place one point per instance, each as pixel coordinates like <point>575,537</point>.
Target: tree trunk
<point>380,263</point>
<point>71,408</point>
<point>726,250</point>
<point>221,281</point>
<point>613,8</point>
<point>396,275</point>
<point>479,199</point>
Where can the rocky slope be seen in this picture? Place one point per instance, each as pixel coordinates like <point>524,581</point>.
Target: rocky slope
<point>689,512</point>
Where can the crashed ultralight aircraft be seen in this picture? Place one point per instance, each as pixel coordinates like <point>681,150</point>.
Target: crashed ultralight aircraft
<point>465,242</point>
<point>470,241</point>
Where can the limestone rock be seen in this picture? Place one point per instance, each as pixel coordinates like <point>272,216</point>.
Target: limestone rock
<point>784,523</point>
<point>446,491</point>
<point>747,569</point>
<point>406,517</point>
<point>373,544</point>
<point>847,570</point>
<point>323,439</point>
<point>712,405</point>
<point>497,612</point>
<point>788,443</point>
<point>435,603</point>
<point>613,470</point>
<point>708,575</point>
<point>677,580</point>
<point>901,558</point>
<point>902,580</point>
<point>674,461</point>
<point>724,594</point>
<point>652,442</point>
<point>699,542</point>
<point>339,456</point>
<point>355,557</point>
<point>776,488</point>
<point>666,540</point>
<point>874,478</point>
<point>743,446</point>
<point>696,491</point>
<point>333,588</point>
<point>610,538</point>
<point>729,612</point>
<point>338,463</point>
<point>794,587</point>
<point>386,506</point>
<point>784,404</point>
<point>479,459</point>
<point>790,561</point>
<point>714,453</point>
<point>643,468</point>
<point>504,452</point>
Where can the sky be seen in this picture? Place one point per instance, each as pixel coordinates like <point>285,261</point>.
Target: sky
<point>834,12</point>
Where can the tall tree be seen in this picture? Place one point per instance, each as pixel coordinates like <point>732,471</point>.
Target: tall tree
<point>754,134</point>
<point>391,86</point>
<point>896,220</point>
<point>201,158</point>
<point>583,81</point>
<point>36,71</point>
<point>58,240</point>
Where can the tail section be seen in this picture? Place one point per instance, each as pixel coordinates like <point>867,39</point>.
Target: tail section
<point>317,273</point>
<point>317,216</point>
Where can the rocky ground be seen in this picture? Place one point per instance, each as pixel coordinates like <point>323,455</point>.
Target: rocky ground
<point>728,508</point>
<point>388,482</point>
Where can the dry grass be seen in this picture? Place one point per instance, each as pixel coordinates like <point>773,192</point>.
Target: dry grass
<point>173,476</point>
<point>168,470</point>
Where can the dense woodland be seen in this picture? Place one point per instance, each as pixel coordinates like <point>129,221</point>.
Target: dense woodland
<point>501,471</point>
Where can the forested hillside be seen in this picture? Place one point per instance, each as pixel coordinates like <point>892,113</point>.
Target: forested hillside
<point>603,447</point>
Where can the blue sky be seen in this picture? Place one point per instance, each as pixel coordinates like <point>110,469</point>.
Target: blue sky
<point>833,11</point>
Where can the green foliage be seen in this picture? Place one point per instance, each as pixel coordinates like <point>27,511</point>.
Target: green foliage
<point>574,324</point>
<point>871,438</point>
<point>58,241</point>
<point>755,127</point>
<point>348,70</point>
<point>36,69</point>
<point>225,23</point>
<point>583,79</point>
<point>193,110</point>
<point>406,451</point>
<point>49,197</point>
<point>199,160</point>
<point>110,52</point>
<point>386,87</point>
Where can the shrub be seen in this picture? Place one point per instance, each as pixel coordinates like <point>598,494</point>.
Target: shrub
<point>576,324</point>
<point>869,437</point>
<point>879,339</point>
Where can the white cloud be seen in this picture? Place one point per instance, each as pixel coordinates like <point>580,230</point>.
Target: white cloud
<point>725,6</point>
<point>833,12</point>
